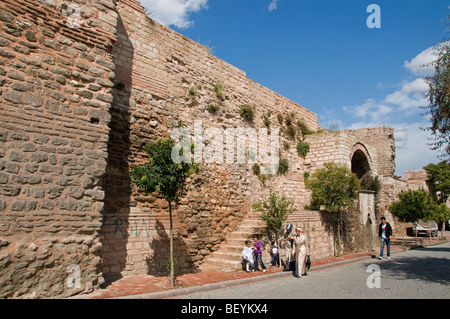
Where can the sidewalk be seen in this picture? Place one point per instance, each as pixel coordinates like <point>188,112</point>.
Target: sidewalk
<point>208,278</point>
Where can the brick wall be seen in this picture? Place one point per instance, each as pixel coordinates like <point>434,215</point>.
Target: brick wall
<point>155,69</point>
<point>78,104</point>
<point>382,139</point>
<point>55,84</point>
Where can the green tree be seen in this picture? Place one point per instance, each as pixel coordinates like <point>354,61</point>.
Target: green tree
<point>440,215</point>
<point>438,96</point>
<point>274,211</point>
<point>439,175</point>
<point>163,175</point>
<point>412,206</point>
<point>334,188</point>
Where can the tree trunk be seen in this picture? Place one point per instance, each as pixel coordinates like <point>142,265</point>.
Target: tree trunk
<point>429,227</point>
<point>416,225</point>
<point>172,276</point>
<point>338,234</point>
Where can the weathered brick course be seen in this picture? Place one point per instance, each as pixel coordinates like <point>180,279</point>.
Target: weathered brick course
<point>50,195</point>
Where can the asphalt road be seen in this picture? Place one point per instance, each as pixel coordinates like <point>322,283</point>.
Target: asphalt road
<point>420,273</point>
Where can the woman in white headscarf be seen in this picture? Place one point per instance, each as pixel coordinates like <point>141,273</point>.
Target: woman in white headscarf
<point>301,247</point>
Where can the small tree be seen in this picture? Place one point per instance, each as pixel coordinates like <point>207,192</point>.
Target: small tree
<point>412,206</point>
<point>334,188</point>
<point>162,174</point>
<point>439,175</point>
<point>275,210</point>
<point>439,98</point>
<point>441,214</point>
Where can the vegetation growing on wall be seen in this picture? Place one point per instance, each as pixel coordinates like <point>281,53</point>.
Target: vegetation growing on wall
<point>218,89</point>
<point>247,112</point>
<point>283,166</point>
<point>302,148</point>
<point>212,108</point>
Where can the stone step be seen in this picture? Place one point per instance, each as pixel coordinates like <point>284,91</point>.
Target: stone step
<point>235,264</point>
<point>232,248</point>
<point>244,235</point>
<point>225,255</point>
<point>225,264</point>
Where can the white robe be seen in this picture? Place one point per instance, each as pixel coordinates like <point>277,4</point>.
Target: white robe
<point>247,254</point>
<point>301,247</point>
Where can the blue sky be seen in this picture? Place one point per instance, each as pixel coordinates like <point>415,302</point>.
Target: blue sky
<point>323,56</point>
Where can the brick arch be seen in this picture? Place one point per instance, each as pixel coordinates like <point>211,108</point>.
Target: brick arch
<point>360,160</point>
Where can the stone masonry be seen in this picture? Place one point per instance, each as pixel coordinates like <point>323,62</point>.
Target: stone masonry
<point>55,99</point>
<point>84,85</point>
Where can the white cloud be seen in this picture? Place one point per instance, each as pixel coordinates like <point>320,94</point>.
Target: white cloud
<point>410,96</point>
<point>174,12</point>
<point>421,64</point>
<point>273,5</point>
<point>371,110</point>
<point>403,102</point>
<point>412,150</point>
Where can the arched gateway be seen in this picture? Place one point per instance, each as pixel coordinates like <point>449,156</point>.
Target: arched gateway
<point>360,160</point>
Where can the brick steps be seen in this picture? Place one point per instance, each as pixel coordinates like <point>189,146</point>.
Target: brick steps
<point>228,256</point>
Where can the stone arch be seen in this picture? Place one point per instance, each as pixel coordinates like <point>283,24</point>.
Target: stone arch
<point>360,160</point>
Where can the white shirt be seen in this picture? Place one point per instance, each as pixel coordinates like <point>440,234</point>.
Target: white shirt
<point>383,231</point>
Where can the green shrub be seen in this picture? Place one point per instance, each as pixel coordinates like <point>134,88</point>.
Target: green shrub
<point>286,145</point>
<point>302,148</point>
<point>212,108</point>
<point>256,169</point>
<point>266,119</point>
<point>192,91</point>
<point>291,131</point>
<point>280,118</point>
<point>303,128</point>
<point>371,183</point>
<point>218,88</point>
<point>288,119</point>
<point>283,166</point>
<point>247,112</point>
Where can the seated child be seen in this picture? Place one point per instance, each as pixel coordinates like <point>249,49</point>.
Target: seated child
<point>247,255</point>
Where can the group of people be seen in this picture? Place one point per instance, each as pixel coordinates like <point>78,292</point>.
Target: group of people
<point>296,249</point>
<point>295,246</point>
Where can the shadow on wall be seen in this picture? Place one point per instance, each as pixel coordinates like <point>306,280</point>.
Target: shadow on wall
<point>117,182</point>
<point>351,232</point>
<point>158,262</point>
<point>126,143</point>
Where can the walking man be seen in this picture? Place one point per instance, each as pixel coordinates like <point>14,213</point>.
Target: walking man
<point>385,233</point>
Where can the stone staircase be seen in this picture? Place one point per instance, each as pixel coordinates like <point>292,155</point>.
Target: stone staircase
<point>228,256</point>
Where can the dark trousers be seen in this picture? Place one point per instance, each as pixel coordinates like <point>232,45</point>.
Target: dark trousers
<point>275,260</point>
<point>258,258</point>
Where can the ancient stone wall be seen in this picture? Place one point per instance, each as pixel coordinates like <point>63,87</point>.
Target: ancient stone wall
<point>55,96</point>
<point>163,78</point>
<point>83,88</point>
<point>382,139</point>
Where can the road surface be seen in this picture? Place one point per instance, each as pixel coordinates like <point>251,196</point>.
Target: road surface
<point>420,273</point>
